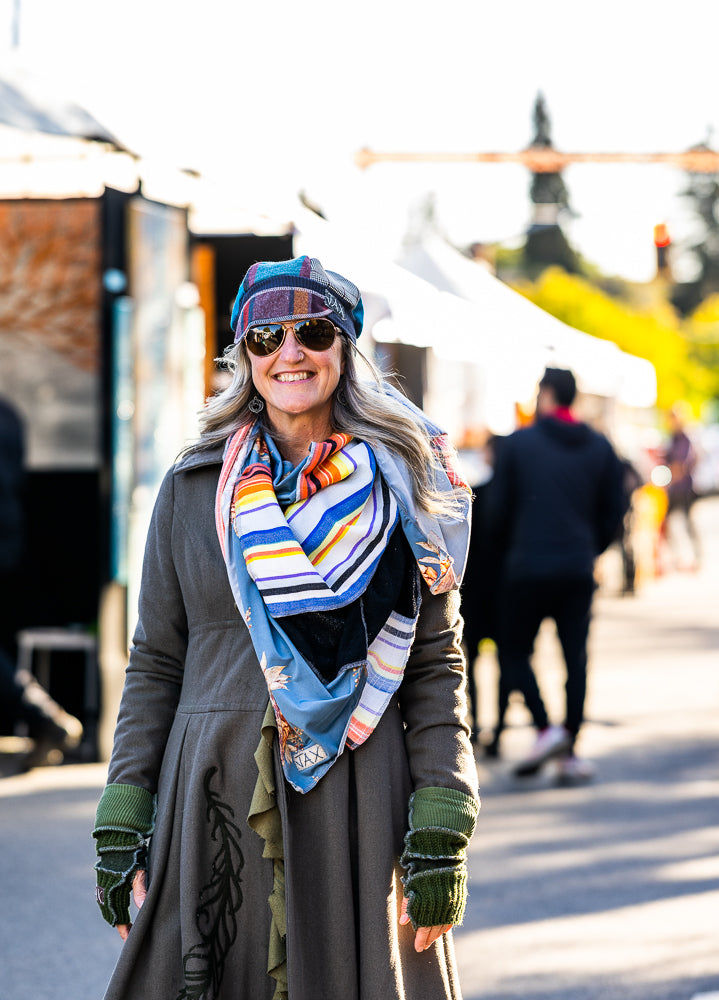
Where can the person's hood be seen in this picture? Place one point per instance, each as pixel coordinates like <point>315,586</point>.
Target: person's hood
<point>572,434</point>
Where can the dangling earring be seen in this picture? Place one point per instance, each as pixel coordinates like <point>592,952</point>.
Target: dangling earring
<point>256,405</point>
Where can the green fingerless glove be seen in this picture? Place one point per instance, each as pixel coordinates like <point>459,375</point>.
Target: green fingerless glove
<point>123,823</point>
<point>115,869</point>
<point>437,896</point>
<point>441,823</point>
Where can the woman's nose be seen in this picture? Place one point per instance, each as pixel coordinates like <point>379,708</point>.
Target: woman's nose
<point>291,350</point>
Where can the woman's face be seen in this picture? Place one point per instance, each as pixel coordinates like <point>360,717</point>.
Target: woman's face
<point>297,384</point>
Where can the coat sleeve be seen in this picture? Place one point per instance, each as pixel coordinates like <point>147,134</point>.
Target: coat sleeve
<point>433,699</point>
<point>154,673</point>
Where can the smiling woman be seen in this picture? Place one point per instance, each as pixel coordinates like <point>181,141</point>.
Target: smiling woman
<point>293,727</point>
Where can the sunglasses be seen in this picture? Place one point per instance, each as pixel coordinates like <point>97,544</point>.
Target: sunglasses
<point>314,334</point>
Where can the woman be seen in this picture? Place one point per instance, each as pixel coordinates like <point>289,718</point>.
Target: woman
<point>293,718</point>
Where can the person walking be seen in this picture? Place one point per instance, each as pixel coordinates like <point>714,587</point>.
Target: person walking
<point>12,477</point>
<point>631,482</point>
<point>681,458</point>
<point>293,730</point>
<point>556,503</point>
<point>480,589</point>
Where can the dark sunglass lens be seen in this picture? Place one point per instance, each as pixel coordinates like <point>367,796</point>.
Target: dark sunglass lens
<point>315,334</point>
<point>264,340</point>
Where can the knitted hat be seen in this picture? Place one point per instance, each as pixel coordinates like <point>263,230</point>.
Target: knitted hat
<point>296,289</point>
<point>562,383</point>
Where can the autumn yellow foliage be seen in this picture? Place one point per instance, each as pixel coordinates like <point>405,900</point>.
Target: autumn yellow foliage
<point>683,352</point>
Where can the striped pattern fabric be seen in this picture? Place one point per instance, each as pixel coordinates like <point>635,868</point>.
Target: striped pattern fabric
<point>309,539</point>
<point>386,659</point>
<point>273,292</point>
<point>281,302</point>
<point>314,556</point>
<point>447,454</point>
<point>316,550</point>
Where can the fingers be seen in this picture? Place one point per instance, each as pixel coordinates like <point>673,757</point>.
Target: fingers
<point>426,936</point>
<point>139,887</point>
<point>139,891</point>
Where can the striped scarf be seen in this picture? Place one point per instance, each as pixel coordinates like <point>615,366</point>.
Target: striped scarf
<point>309,539</point>
<point>312,540</point>
<point>313,551</point>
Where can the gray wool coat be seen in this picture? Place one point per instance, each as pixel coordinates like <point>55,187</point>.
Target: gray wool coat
<point>188,728</point>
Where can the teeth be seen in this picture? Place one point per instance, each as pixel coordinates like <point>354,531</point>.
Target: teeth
<point>293,377</point>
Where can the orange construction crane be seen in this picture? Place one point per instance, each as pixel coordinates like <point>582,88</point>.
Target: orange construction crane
<point>546,160</point>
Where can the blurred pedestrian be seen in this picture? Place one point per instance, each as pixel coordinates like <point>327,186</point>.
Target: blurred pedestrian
<point>631,481</point>
<point>12,474</point>
<point>680,457</point>
<point>481,583</point>
<point>293,724</point>
<point>556,502</point>
<point>22,700</point>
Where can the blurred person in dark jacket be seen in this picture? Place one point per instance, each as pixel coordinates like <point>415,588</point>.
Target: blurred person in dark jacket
<point>556,503</point>
<point>480,586</point>
<point>631,481</point>
<point>22,699</point>
<point>681,458</point>
<point>11,516</point>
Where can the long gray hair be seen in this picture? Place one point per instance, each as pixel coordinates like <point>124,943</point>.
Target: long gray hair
<point>360,408</point>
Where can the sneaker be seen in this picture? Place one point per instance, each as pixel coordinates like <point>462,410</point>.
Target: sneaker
<point>551,742</point>
<point>573,770</point>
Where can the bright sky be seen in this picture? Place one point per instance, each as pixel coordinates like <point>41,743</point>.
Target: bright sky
<point>272,97</point>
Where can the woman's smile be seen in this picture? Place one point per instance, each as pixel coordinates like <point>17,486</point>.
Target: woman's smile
<point>293,376</point>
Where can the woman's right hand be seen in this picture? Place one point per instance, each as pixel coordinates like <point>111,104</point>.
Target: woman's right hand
<point>139,891</point>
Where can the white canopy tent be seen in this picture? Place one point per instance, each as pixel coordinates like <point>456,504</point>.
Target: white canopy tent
<point>403,305</point>
<point>489,345</point>
<point>515,326</point>
<point>53,148</point>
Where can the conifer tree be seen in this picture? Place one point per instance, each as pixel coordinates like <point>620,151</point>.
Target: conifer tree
<point>702,193</point>
<point>546,244</point>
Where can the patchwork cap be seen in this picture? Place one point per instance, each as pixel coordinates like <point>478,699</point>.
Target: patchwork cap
<point>276,292</point>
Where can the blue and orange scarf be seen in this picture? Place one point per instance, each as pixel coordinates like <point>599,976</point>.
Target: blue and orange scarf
<point>319,540</point>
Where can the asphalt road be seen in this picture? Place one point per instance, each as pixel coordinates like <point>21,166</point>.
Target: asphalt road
<point>604,892</point>
<point>610,891</point>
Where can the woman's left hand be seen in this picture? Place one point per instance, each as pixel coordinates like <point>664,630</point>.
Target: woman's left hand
<point>425,936</point>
